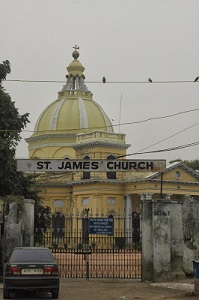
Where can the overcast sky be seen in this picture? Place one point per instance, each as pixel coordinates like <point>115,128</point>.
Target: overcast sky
<point>123,40</point>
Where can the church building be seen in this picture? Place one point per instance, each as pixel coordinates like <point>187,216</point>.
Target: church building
<point>75,126</point>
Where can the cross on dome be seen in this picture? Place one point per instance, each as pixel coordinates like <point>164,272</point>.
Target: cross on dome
<point>76,47</point>
<point>75,53</point>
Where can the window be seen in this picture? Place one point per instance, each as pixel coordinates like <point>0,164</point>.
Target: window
<point>85,201</point>
<point>111,201</point>
<point>86,175</point>
<point>111,175</point>
<point>177,174</point>
<point>58,225</point>
<point>58,203</point>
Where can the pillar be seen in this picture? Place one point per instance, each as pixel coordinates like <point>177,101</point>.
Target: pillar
<point>177,242</point>
<point>146,230</point>
<point>128,219</point>
<point>161,238</point>
<point>28,221</point>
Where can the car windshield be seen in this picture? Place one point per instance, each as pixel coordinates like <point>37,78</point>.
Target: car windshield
<point>31,255</point>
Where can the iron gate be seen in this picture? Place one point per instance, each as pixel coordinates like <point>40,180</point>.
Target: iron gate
<point>103,250</point>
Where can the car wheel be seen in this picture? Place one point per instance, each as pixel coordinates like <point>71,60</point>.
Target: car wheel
<point>55,293</point>
<point>6,293</point>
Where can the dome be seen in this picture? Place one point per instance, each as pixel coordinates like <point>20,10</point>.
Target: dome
<point>73,114</point>
<point>74,111</point>
<point>74,121</point>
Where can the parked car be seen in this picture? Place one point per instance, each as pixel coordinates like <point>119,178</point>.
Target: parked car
<point>31,268</point>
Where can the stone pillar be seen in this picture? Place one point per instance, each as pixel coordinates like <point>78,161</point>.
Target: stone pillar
<point>161,240</point>
<point>28,222</point>
<point>147,245</point>
<point>177,242</point>
<point>190,217</point>
<point>128,219</point>
<point>12,231</point>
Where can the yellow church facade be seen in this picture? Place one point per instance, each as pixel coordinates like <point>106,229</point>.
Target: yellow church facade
<point>75,126</point>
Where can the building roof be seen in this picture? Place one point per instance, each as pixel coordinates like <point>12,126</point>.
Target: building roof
<point>172,166</point>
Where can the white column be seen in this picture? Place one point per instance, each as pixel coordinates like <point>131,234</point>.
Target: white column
<point>128,218</point>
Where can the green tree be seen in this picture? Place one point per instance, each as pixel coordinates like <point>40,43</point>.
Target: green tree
<point>194,164</point>
<point>11,124</point>
<point>4,70</point>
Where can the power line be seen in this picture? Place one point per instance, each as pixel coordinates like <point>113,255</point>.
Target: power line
<point>114,125</point>
<point>161,117</point>
<point>137,122</point>
<point>107,82</point>
<point>169,136</point>
<point>163,150</point>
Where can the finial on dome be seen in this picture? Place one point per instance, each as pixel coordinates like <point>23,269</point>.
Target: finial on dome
<point>75,53</point>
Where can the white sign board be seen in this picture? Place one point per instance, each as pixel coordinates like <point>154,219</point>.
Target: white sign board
<point>73,165</point>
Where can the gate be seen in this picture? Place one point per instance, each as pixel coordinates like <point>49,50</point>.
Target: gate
<point>94,247</point>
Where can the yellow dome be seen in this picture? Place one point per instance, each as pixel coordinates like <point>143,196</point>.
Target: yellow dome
<point>73,114</point>
<point>74,111</point>
<point>73,120</point>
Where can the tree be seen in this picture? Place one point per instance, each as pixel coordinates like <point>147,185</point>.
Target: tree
<point>14,186</point>
<point>4,70</point>
<point>193,164</point>
<point>11,124</point>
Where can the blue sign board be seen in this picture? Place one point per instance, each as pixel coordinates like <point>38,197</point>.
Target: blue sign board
<point>101,226</point>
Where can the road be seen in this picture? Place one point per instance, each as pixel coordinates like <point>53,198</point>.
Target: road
<point>113,289</point>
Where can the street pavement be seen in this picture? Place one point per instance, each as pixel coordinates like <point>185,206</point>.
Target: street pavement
<point>115,289</point>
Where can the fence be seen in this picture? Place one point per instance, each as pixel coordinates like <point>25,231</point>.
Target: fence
<point>94,247</point>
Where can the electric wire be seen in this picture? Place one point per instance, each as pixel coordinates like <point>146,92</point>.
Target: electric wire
<point>139,152</point>
<point>107,82</point>
<point>163,150</point>
<point>114,125</point>
<point>168,137</point>
<point>134,122</point>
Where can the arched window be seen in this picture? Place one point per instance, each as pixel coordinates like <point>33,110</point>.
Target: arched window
<point>58,226</point>
<point>111,175</point>
<point>86,175</point>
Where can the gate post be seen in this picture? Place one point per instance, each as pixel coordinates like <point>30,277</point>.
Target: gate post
<point>177,243</point>
<point>28,221</point>
<point>146,229</point>
<point>161,239</point>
